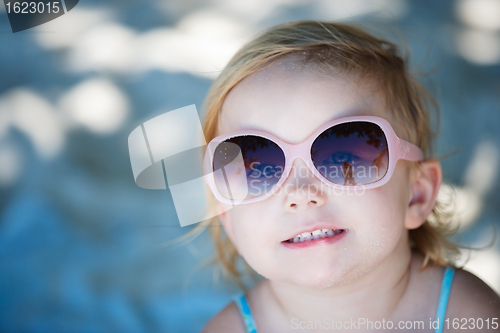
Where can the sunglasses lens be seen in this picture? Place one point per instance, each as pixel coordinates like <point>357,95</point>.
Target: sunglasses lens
<point>263,162</point>
<point>352,153</point>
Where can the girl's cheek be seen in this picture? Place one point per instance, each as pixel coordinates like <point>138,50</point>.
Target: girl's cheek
<point>379,222</point>
<point>250,229</point>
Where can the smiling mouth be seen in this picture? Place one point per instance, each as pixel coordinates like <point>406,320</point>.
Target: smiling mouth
<point>316,234</point>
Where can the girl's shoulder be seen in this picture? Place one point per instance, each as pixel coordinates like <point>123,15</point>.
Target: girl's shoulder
<point>471,299</point>
<point>228,320</point>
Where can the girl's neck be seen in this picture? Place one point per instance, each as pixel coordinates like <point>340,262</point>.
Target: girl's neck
<point>375,295</point>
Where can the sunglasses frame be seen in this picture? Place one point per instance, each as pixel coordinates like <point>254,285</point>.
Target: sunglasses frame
<point>397,149</point>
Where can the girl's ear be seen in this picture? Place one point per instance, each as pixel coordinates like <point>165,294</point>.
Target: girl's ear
<point>426,180</point>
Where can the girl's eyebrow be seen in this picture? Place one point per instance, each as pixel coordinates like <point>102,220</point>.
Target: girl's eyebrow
<point>357,112</point>
<point>343,114</point>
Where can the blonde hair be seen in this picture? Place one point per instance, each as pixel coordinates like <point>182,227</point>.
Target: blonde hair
<point>345,49</point>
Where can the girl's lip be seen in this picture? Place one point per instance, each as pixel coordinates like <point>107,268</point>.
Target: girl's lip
<point>316,242</point>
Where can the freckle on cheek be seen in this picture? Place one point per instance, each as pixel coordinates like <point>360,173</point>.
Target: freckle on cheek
<point>375,246</point>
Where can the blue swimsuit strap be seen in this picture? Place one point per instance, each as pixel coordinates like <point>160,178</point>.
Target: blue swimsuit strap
<point>246,314</point>
<point>443,298</point>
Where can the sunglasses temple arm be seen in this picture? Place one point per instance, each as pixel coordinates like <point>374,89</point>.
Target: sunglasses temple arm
<point>409,151</point>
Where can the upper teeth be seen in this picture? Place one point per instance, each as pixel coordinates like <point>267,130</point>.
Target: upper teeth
<point>320,233</point>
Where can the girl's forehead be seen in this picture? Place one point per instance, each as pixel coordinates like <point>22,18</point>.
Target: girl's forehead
<point>291,100</point>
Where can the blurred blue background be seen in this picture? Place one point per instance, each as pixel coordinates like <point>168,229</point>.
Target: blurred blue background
<point>82,247</point>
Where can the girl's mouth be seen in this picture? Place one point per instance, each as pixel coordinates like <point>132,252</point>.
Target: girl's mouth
<point>316,237</point>
<point>316,234</point>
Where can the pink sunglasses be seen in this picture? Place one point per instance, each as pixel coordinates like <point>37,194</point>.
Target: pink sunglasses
<point>249,166</point>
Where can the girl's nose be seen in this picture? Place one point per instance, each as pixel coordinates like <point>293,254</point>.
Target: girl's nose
<point>302,189</point>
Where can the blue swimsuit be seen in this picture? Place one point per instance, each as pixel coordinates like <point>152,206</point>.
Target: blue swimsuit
<point>247,316</point>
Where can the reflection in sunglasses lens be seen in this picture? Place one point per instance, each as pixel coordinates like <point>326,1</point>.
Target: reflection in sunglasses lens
<point>352,153</point>
<point>264,162</point>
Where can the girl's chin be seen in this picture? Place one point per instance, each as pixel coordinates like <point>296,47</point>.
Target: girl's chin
<point>312,279</point>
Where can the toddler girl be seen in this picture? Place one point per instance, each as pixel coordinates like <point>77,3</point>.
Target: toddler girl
<point>320,161</point>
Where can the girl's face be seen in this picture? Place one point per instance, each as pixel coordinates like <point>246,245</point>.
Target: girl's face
<point>290,101</point>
